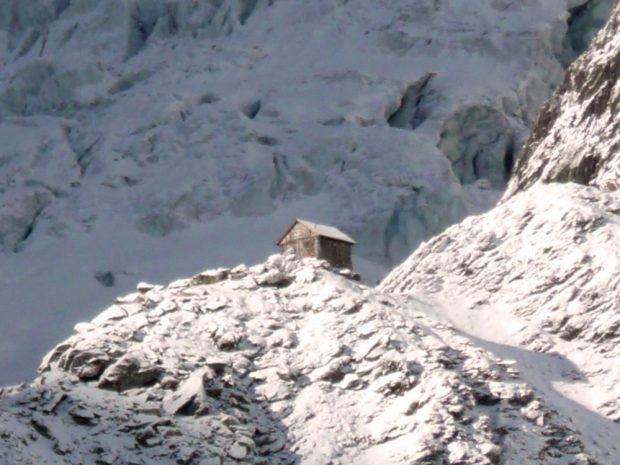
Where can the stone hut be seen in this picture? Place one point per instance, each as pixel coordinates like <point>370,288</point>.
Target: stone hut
<point>307,239</point>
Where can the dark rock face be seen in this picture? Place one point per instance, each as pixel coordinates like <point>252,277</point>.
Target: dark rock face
<point>577,134</point>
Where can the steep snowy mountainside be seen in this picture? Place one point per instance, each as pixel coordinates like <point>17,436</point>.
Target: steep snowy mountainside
<point>577,134</point>
<point>147,139</point>
<point>542,272</point>
<point>285,362</point>
<point>537,277</point>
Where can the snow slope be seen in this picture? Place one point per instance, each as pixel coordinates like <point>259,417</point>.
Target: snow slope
<point>536,279</point>
<point>146,139</point>
<point>537,275</point>
<point>286,362</point>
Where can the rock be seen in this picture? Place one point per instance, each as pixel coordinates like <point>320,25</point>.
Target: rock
<point>282,338</point>
<point>333,372</point>
<point>215,303</point>
<point>143,287</point>
<point>516,394</point>
<point>83,416</point>
<point>227,341</point>
<point>113,313</point>
<point>211,276</point>
<point>237,451</point>
<point>492,452</point>
<point>218,364</point>
<point>130,371</point>
<point>274,278</point>
<point>105,278</point>
<point>239,272</point>
<point>87,363</point>
<point>350,381</point>
<point>191,396</point>
<point>168,382</point>
<point>84,327</point>
<point>41,427</point>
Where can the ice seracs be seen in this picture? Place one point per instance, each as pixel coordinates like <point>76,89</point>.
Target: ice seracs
<point>152,136</point>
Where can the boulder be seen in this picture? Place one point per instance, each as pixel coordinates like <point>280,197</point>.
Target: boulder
<point>130,371</point>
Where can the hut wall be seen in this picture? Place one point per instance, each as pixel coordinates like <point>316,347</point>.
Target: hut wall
<point>301,248</point>
<point>297,232</point>
<point>337,253</point>
<point>300,241</point>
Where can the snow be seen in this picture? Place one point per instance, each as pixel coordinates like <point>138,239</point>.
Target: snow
<point>535,281</point>
<point>327,231</point>
<point>153,139</point>
<point>313,368</point>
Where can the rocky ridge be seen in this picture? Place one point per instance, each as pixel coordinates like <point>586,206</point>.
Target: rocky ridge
<point>576,137</point>
<point>547,254</point>
<point>536,278</point>
<point>546,257</point>
<point>285,362</point>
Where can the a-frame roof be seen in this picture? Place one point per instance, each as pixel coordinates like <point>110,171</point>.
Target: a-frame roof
<point>320,230</point>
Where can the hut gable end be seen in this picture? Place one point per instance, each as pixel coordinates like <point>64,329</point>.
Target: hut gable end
<point>296,232</point>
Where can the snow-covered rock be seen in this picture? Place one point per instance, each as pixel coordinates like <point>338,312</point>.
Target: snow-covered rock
<point>538,274</point>
<point>577,134</point>
<point>320,370</point>
<point>536,279</point>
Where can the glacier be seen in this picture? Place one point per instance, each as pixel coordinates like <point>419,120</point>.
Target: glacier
<point>150,139</point>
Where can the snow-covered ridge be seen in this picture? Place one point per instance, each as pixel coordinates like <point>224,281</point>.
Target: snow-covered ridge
<point>285,362</point>
<point>541,272</point>
<point>537,278</point>
<point>577,134</point>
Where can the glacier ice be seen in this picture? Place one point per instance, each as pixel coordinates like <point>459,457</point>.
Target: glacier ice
<point>170,134</point>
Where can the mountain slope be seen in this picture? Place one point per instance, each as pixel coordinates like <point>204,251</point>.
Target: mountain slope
<point>146,140</point>
<point>536,278</point>
<point>546,257</point>
<point>285,362</point>
<point>577,134</point>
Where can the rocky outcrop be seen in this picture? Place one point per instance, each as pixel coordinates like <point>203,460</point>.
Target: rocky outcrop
<point>548,257</point>
<point>228,368</point>
<point>576,137</point>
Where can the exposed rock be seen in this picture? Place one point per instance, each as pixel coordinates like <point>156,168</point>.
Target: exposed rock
<point>577,134</point>
<point>130,371</point>
<point>283,375</point>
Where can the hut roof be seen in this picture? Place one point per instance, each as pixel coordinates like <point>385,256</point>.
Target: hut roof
<point>321,230</point>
